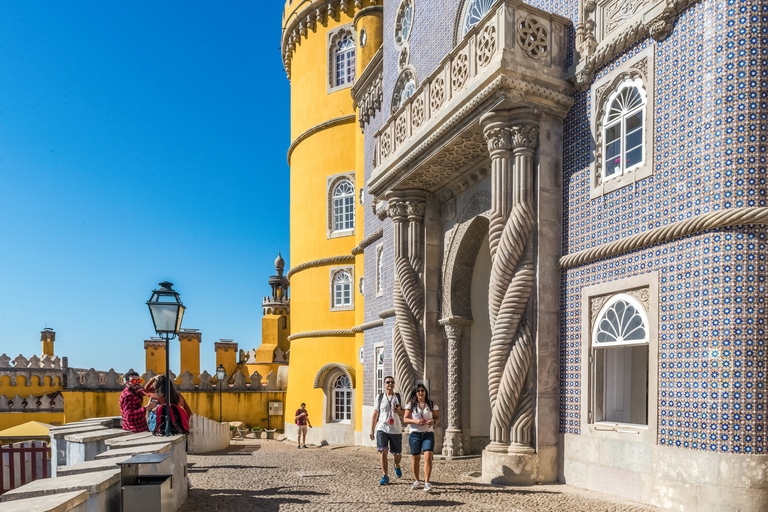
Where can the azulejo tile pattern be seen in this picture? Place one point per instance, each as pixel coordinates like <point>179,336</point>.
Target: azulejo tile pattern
<point>710,145</point>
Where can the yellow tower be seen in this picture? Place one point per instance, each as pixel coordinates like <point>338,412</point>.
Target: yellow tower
<point>189,350</point>
<point>226,355</point>
<point>154,353</point>
<point>275,324</point>
<point>323,57</point>
<point>48,336</point>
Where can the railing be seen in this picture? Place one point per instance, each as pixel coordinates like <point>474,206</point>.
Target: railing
<point>24,463</point>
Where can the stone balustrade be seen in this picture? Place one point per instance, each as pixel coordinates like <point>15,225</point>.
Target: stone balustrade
<point>53,402</point>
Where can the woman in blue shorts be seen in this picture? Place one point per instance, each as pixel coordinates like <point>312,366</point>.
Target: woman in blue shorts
<point>422,415</point>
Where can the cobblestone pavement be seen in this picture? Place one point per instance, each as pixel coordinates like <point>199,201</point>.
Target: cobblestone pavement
<point>262,475</point>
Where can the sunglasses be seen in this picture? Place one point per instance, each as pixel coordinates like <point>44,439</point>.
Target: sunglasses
<point>389,382</point>
<point>421,390</point>
<point>135,381</point>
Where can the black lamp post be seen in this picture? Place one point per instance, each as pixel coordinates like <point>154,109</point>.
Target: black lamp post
<point>167,311</point>
<point>221,373</point>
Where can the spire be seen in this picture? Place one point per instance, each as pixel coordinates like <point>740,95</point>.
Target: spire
<point>279,265</point>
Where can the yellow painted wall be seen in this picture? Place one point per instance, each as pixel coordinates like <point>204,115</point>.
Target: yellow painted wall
<point>80,405</point>
<point>248,407</point>
<point>154,356</point>
<point>189,352</point>
<point>274,334</point>
<point>11,419</point>
<point>37,386</point>
<point>228,358</point>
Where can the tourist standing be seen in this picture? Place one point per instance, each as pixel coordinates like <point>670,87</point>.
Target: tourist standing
<point>386,423</point>
<point>302,421</point>
<point>422,415</point>
<point>133,413</point>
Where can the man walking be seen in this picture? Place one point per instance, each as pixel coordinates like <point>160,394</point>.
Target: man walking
<point>386,423</point>
<point>134,415</point>
<point>302,421</point>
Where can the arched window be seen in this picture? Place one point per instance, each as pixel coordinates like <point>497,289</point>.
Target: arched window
<point>342,289</point>
<point>471,14</point>
<point>623,129</point>
<point>404,88</point>
<point>343,198</point>
<point>345,62</point>
<point>342,399</point>
<point>620,340</point>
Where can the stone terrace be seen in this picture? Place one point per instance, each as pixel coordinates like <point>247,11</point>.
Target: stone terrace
<point>264,475</point>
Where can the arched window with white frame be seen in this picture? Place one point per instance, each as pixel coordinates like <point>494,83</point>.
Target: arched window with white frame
<point>344,60</point>
<point>342,290</point>
<point>623,129</point>
<point>343,199</point>
<point>470,15</point>
<point>342,399</point>
<point>619,362</point>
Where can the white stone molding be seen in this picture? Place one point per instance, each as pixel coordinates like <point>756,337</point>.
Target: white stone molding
<point>387,313</point>
<point>370,96</point>
<point>407,74</point>
<point>640,67</point>
<point>335,36</point>
<point>328,369</point>
<point>331,260</point>
<point>463,182</point>
<point>330,185</point>
<point>512,140</point>
<point>318,128</point>
<point>406,209</point>
<point>608,27</point>
<point>367,241</point>
<point>703,222</point>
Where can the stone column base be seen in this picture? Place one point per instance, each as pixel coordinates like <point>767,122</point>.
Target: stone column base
<point>510,468</point>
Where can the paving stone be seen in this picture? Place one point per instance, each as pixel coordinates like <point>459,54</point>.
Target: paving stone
<point>271,475</point>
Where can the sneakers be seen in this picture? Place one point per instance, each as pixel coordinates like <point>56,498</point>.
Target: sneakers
<point>427,487</point>
<point>398,472</point>
<point>299,447</point>
<point>384,480</point>
<point>415,485</point>
<point>304,446</point>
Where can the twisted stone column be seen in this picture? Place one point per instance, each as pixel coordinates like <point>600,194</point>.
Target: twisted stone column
<point>407,211</point>
<point>512,138</point>
<point>452,445</point>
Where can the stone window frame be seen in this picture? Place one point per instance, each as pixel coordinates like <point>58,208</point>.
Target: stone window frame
<point>406,74</point>
<point>644,288</point>
<point>461,13</point>
<point>333,271</point>
<point>640,66</point>
<point>379,269</point>
<point>400,13</point>
<point>330,185</point>
<point>334,38</point>
<point>376,390</point>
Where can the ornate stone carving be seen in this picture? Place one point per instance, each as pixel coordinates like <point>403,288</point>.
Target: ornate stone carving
<point>459,71</point>
<point>643,296</point>
<point>453,331</point>
<point>386,144</point>
<point>617,13</point>
<point>417,112</point>
<point>533,37</point>
<point>660,28</point>
<point>486,44</point>
<point>596,304</point>
<point>401,129</point>
<point>402,60</point>
<point>437,94</point>
<point>524,136</point>
<point>498,139</point>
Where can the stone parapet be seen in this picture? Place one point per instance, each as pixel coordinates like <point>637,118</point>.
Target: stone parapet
<point>80,379</point>
<point>53,402</point>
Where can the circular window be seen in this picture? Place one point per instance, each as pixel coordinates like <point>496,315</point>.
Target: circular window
<point>404,22</point>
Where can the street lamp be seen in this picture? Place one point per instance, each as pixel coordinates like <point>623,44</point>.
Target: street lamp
<point>220,374</point>
<point>167,311</point>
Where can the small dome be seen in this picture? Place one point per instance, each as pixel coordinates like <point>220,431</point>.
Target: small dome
<point>279,262</point>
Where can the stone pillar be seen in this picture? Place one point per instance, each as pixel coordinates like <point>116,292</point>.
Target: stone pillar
<point>512,139</point>
<point>406,208</point>
<point>154,353</point>
<point>226,355</point>
<point>454,328</point>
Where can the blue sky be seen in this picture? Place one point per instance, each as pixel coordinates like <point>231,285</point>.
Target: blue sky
<point>139,142</point>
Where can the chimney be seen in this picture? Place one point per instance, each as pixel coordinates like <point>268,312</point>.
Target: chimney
<point>48,336</point>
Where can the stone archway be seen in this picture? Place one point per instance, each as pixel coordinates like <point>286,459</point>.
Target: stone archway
<point>464,242</point>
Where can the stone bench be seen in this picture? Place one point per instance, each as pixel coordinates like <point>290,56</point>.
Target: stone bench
<point>103,489</point>
<point>85,446</point>
<point>59,444</point>
<point>74,501</point>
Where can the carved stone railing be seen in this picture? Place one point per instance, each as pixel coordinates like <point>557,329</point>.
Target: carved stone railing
<point>52,402</point>
<point>239,383</point>
<point>516,47</point>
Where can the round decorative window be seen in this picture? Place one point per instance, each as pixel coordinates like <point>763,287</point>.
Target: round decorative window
<point>404,22</point>
<point>473,12</point>
<point>404,89</point>
<point>622,321</point>
<point>363,37</point>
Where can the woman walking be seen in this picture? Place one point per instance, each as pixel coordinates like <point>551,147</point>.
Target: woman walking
<point>422,415</point>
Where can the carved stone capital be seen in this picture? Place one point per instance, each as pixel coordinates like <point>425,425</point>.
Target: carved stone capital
<point>498,139</point>
<point>583,79</point>
<point>660,28</point>
<point>524,136</point>
<point>415,208</point>
<point>397,210</point>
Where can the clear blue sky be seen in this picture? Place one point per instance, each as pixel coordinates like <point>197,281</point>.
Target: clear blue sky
<point>139,142</point>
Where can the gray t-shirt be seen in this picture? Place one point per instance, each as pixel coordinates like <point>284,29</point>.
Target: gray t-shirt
<point>385,413</point>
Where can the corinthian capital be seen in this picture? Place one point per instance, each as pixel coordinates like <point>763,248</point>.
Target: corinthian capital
<point>398,210</point>
<point>498,139</point>
<point>415,208</point>
<point>524,136</point>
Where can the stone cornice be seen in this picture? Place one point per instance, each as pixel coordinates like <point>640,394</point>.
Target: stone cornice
<point>332,260</point>
<point>318,127</point>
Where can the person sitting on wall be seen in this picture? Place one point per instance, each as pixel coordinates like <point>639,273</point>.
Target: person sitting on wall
<point>156,387</point>
<point>302,421</point>
<point>133,413</point>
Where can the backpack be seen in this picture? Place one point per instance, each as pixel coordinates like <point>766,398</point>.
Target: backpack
<point>179,420</point>
<point>381,397</point>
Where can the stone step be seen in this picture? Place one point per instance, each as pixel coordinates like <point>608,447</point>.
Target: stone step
<point>65,502</point>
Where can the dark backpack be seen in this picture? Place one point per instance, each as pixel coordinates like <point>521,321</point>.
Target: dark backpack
<point>178,425</point>
<point>381,397</point>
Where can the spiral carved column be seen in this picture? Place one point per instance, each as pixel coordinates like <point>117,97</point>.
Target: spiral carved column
<point>512,140</point>
<point>452,444</point>
<point>407,212</point>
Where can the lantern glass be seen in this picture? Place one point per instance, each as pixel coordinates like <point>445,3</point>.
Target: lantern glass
<point>166,309</point>
<point>221,373</point>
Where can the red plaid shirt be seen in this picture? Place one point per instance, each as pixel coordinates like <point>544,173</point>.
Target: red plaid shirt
<point>134,414</point>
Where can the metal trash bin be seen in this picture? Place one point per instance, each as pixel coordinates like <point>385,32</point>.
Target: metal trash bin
<point>145,493</point>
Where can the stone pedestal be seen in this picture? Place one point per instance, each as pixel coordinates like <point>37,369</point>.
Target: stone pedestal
<point>501,468</point>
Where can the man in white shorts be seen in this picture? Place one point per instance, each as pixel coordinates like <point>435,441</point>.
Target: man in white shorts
<point>386,421</point>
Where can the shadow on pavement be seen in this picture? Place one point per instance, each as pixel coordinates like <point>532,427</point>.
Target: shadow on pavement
<point>428,503</point>
<point>231,500</point>
<point>205,469</point>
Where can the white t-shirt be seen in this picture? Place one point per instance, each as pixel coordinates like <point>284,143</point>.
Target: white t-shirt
<point>417,413</point>
<point>385,412</point>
